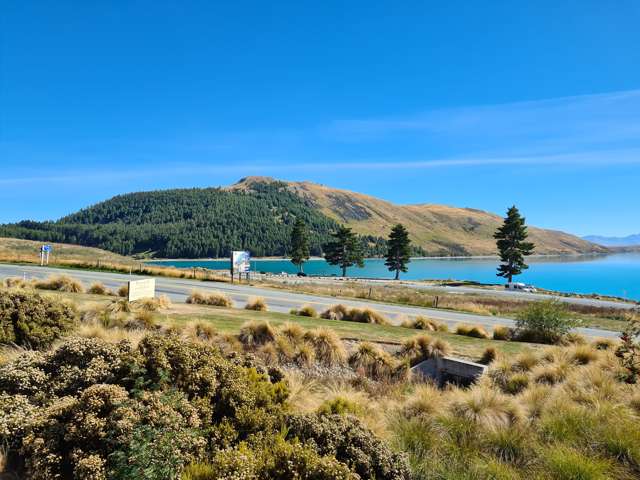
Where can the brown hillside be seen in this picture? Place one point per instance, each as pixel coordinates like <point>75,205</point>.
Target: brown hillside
<point>439,229</point>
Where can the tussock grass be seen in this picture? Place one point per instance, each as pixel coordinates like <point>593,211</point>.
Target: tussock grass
<point>500,332</point>
<point>365,315</point>
<point>474,331</point>
<point>422,347</point>
<point>328,347</point>
<point>60,283</point>
<point>424,323</point>
<point>257,304</point>
<point>123,290</point>
<point>17,282</point>
<point>305,311</point>
<point>488,356</point>
<point>98,288</point>
<point>604,343</point>
<point>372,361</point>
<point>216,299</point>
<point>256,333</point>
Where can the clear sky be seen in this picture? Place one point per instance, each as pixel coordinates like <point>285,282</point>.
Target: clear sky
<point>479,104</point>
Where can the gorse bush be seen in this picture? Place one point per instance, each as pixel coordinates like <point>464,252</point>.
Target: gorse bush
<point>93,410</point>
<point>31,320</point>
<point>545,322</point>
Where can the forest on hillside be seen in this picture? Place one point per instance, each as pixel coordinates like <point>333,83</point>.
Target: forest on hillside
<point>192,223</point>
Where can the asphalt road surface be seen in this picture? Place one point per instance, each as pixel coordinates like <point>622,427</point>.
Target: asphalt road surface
<point>278,300</point>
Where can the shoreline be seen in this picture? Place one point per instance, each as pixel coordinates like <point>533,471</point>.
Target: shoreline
<point>457,257</point>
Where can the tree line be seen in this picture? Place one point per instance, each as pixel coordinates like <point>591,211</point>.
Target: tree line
<point>344,250</point>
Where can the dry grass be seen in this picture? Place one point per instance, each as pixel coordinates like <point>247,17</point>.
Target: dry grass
<point>123,291</point>
<point>500,332</point>
<point>257,304</point>
<point>372,361</point>
<point>98,288</point>
<point>256,333</point>
<point>305,311</point>
<point>328,347</point>
<point>422,347</point>
<point>60,283</point>
<point>474,331</point>
<point>216,299</point>
<point>364,315</point>
<point>424,323</point>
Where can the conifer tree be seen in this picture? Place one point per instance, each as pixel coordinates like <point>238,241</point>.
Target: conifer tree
<point>344,250</point>
<point>512,245</point>
<point>299,244</point>
<point>398,250</point>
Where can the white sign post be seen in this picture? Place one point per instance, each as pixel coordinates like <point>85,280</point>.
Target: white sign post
<point>45,250</point>
<point>142,289</point>
<point>240,263</point>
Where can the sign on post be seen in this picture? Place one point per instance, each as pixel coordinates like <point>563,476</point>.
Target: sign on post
<point>240,263</point>
<point>142,289</point>
<point>45,250</point>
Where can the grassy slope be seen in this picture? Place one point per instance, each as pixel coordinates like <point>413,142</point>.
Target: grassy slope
<point>438,229</point>
<point>229,320</point>
<point>28,251</point>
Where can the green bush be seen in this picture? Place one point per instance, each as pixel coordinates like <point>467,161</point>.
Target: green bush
<point>345,438</point>
<point>544,322</point>
<point>31,320</point>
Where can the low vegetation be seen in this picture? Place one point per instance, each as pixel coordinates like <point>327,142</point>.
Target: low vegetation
<point>361,315</point>
<point>61,283</point>
<point>474,331</point>
<point>30,320</point>
<point>545,322</point>
<point>256,304</point>
<point>216,299</point>
<point>424,323</point>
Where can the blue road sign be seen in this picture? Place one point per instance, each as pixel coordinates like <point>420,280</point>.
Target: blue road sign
<point>46,248</point>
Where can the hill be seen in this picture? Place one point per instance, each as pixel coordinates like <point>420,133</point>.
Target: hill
<point>438,229</point>
<point>257,214</point>
<point>628,241</point>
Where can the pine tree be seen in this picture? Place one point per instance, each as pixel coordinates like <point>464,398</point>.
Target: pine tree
<point>344,250</point>
<point>299,244</point>
<point>512,246</point>
<point>398,250</point>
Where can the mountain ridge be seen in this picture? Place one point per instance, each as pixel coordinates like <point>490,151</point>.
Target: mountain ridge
<point>439,229</point>
<point>628,241</point>
<point>257,214</point>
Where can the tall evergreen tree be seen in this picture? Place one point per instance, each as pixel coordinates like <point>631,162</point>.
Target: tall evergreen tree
<point>512,245</point>
<point>398,250</point>
<point>299,244</point>
<point>344,250</point>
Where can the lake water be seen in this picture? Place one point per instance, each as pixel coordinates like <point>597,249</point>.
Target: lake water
<point>617,275</point>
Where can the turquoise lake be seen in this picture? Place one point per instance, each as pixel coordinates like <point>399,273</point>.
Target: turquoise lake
<point>617,275</point>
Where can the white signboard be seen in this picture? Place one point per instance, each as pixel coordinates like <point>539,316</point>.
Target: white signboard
<point>142,289</point>
<point>240,261</point>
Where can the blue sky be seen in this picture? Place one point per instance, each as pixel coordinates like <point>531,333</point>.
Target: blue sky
<point>479,104</point>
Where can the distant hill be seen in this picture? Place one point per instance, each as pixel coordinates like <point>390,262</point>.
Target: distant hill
<point>627,241</point>
<point>438,229</point>
<point>257,214</point>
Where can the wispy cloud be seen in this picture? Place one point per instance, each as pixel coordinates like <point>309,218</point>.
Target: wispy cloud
<point>562,124</point>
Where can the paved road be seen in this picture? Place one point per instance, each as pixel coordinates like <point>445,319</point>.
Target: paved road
<point>278,300</point>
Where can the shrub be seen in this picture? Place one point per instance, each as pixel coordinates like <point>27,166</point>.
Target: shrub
<point>216,299</point>
<point>31,320</point>
<point>98,288</point>
<point>345,438</point>
<point>305,311</point>
<point>61,283</point>
<point>258,304</point>
<point>339,406</point>
<point>544,322</point>
<point>254,333</point>
<point>328,346</point>
<point>500,332</point>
